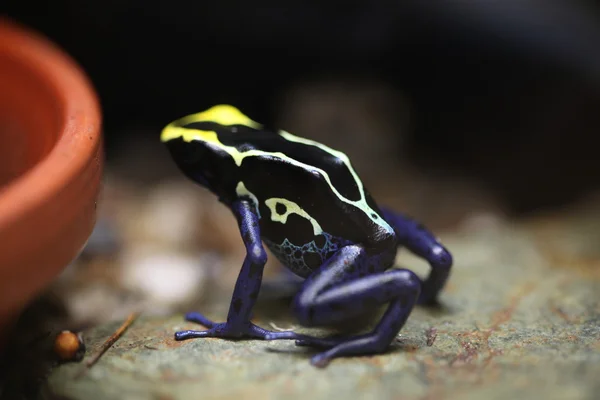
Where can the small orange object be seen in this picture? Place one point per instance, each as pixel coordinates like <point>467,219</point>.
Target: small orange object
<point>69,346</point>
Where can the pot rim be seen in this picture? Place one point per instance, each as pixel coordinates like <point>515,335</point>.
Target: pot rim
<point>80,121</point>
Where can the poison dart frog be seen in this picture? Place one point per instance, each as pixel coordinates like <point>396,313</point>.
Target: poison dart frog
<point>307,204</point>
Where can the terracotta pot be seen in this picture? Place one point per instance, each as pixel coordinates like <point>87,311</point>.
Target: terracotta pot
<point>50,165</point>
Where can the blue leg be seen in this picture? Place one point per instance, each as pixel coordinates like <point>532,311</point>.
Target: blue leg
<point>246,290</point>
<point>341,289</point>
<point>424,244</point>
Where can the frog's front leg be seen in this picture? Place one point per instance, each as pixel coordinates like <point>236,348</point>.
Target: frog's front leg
<point>247,286</point>
<point>343,288</point>
<point>420,241</point>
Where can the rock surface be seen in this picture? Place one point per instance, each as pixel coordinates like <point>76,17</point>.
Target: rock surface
<point>515,321</point>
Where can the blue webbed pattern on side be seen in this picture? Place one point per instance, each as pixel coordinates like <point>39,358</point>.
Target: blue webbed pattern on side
<point>293,256</point>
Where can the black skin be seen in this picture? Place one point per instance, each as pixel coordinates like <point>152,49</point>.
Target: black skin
<point>347,269</point>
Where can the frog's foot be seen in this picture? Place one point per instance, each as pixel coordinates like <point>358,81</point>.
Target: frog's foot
<point>309,341</point>
<point>337,293</point>
<point>406,290</point>
<point>366,345</point>
<point>338,346</point>
<point>224,330</point>
<point>199,319</point>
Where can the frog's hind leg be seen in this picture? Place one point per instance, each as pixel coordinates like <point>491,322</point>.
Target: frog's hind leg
<point>342,289</point>
<point>420,241</point>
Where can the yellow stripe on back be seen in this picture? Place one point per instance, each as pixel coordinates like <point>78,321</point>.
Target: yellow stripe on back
<point>222,114</point>
<point>172,131</point>
<point>228,115</point>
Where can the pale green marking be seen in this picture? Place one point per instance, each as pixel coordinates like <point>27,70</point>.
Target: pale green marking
<point>238,157</point>
<point>241,190</point>
<point>290,208</point>
<point>362,203</point>
<point>211,139</point>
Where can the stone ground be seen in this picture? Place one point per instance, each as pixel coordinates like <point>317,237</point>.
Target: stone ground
<point>516,321</point>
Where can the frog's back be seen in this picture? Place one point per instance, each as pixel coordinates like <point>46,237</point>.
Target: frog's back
<point>310,199</point>
<point>280,147</point>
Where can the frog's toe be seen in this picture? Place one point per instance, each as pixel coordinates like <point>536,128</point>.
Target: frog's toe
<point>304,340</point>
<point>321,360</point>
<point>364,345</point>
<point>191,334</point>
<point>199,319</point>
<point>282,335</point>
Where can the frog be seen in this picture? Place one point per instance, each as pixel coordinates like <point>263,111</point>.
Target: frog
<point>305,202</point>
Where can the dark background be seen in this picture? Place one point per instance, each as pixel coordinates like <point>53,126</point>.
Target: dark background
<point>507,92</point>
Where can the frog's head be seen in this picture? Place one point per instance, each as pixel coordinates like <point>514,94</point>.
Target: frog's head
<point>196,147</point>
